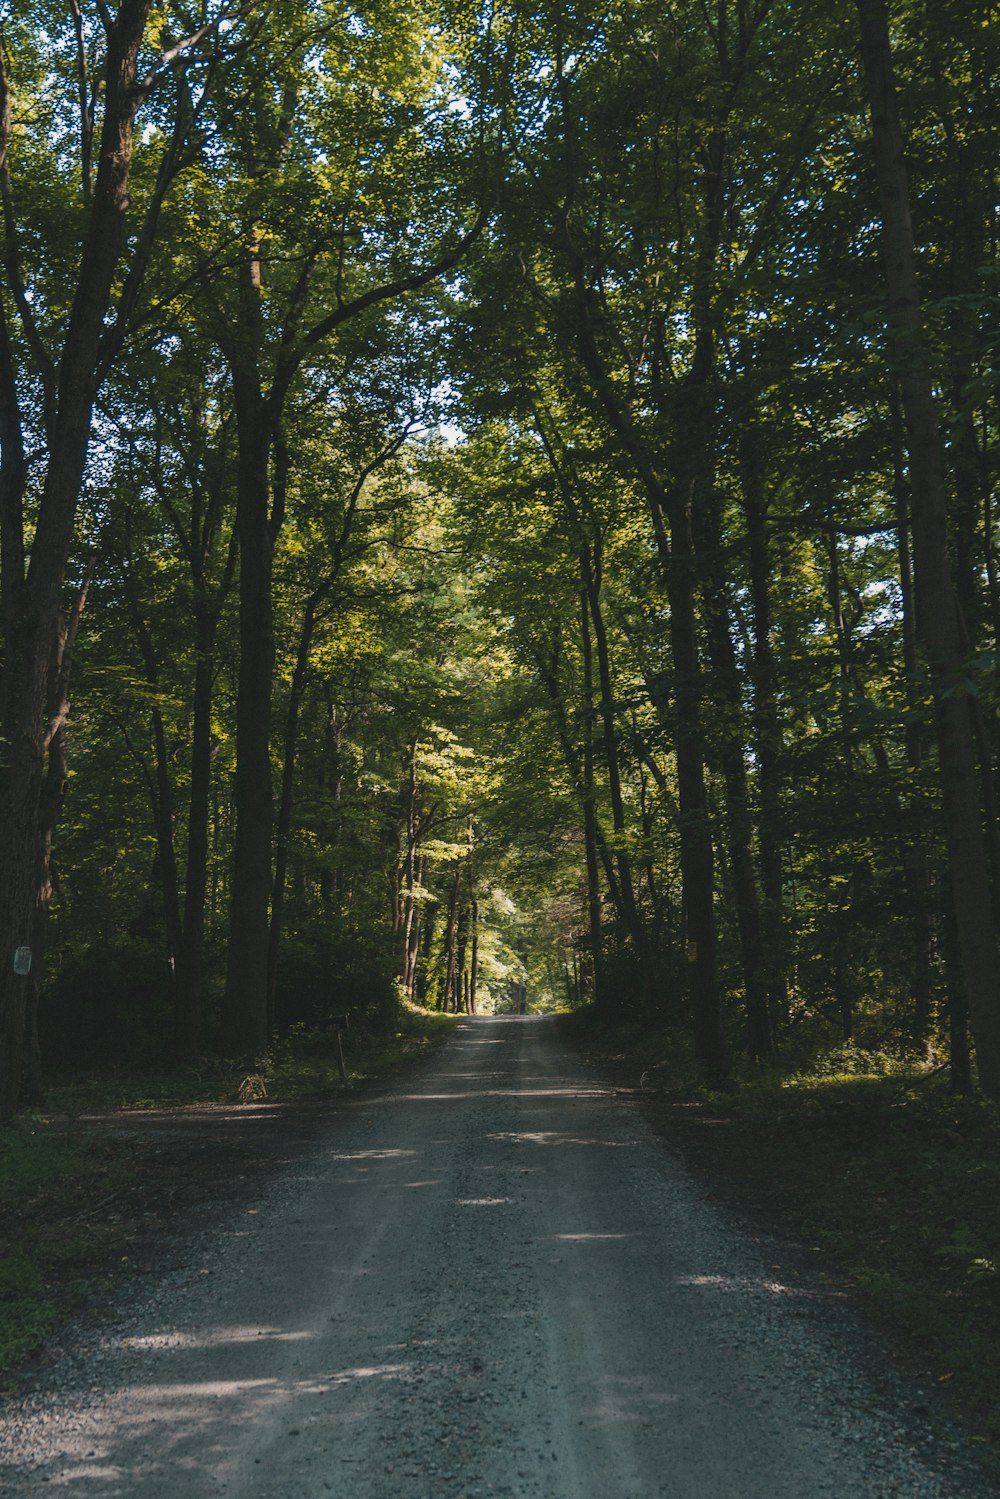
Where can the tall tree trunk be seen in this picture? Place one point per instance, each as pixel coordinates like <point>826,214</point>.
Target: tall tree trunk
<point>410,861</point>
<point>329,879</point>
<point>766,725</point>
<point>582,775</point>
<point>670,512</point>
<point>937,608</point>
<point>188,978</point>
<point>461,949</point>
<point>285,805</point>
<point>421,976</point>
<point>245,1003</point>
<point>166,856</point>
<point>739,824</point>
<point>917,853</point>
<point>161,791</point>
<point>50,806</point>
<point>697,855</point>
<point>474,963</point>
<point>414,932</point>
<point>959,1056</point>
<point>445,993</point>
<point>590,565</point>
<point>589,799</point>
<point>32,607</point>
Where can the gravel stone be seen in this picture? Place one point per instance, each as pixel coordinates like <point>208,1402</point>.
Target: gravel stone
<point>490,1280</point>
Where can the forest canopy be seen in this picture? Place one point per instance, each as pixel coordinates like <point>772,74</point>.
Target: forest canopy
<point>496,510</point>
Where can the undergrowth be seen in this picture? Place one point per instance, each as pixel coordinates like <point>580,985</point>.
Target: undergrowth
<point>302,1064</point>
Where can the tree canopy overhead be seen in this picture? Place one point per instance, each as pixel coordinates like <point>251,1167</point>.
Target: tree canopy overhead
<point>496,508</point>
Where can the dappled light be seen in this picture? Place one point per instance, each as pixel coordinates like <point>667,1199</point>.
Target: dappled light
<point>727,1283</point>
<point>552,1310</point>
<point>499,670</point>
<point>556,1137</point>
<point>588,1237</point>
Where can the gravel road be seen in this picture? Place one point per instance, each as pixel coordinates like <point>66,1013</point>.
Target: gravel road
<point>489,1280</point>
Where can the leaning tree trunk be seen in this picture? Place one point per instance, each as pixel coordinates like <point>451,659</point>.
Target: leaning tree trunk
<point>937,609</point>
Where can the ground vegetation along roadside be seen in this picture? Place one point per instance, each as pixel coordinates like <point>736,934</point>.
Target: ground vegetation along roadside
<point>880,1169</point>
<point>91,1187</point>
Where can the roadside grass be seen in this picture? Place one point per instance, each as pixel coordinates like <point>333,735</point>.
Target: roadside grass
<point>52,1173</point>
<point>893,1177</point>
<point>303,1064</point>
<point>59,1171</point>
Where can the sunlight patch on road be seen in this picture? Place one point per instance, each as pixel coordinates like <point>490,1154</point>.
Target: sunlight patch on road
<point>176,1342</point>
<point>555,1137</point>
<point>371,1155</point>
<point>585,1238</point>
<point>630,1399</point>
<point>375,1371</point>
<point>162,1395</point>
<point>739,1283</point>
<point>469,1093</point>
<point>273,1334</point>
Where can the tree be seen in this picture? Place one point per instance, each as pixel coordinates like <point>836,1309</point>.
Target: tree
<point>67,345</point>
<point>938,611</point>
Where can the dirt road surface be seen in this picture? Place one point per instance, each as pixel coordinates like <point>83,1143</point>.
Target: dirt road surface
<point>490,1279</point>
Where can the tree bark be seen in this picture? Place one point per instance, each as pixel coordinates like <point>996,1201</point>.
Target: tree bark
<point>590,829</point>
<point>917,852</point>
<point>32,614</point>
<point>188,978</point>
<point>245,1004</point>
<point>445,993</point>
<point>590,566</point>
<point>766,725</point>
<point>937,608</point>
<point>474,961</point>
<point>285,804</point>
<point>739,825</point>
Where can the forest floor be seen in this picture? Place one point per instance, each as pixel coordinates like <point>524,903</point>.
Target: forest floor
<point>485,1277</point>
<point>890,1181</point>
